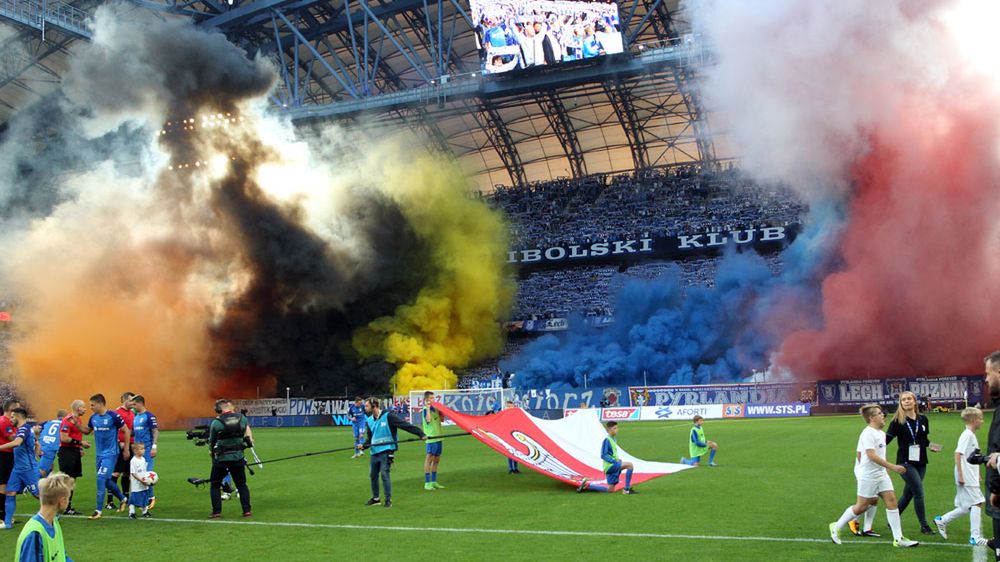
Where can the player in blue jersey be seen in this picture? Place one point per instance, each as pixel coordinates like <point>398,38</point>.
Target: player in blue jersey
<point>24,477</point>
<point>146,431</point>
<point>356,412</point>
<point>49,440</point>
<point>104,424</point>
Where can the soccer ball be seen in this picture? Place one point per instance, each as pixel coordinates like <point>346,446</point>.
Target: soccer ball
<point>152,478</point>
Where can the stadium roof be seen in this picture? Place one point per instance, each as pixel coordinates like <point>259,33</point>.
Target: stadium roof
<point>382,63</point>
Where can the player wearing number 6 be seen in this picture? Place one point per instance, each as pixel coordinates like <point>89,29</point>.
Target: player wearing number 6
<point>49,440</point>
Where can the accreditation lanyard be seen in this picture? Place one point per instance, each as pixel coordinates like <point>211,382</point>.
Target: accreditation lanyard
<point>914,452</point>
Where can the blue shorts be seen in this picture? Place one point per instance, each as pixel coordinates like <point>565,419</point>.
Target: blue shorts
<point>106,465</point>
<point>359,431</point>
<point>23,481</point>
<point>696,459</point>
<point>45,463</point>
<point>434,449</point>
<point>139,499</point>
<point>614,473</point>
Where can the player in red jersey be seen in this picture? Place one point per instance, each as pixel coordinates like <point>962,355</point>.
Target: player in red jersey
<point>7,433</point>
<point>122,466</point>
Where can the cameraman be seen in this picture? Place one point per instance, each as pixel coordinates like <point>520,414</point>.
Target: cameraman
<point>228,435</point>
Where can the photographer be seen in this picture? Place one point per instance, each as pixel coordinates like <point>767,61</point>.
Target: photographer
<point>381,437</point>
<point>228,435</point>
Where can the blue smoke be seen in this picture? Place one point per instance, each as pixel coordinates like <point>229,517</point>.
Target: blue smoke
<point>693,335</point>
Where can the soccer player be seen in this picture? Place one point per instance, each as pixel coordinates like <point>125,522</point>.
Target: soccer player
<point>698,445</point>
<point>50,443</point>
<point>24,476</point>
<point>121,464</point>
<point>968,495</point>
<point>7,432</point>
<point>512,466</point>
<point>431,422</point>
<point>613,465</point>
<point>356,412</point>
<point>873,480</point>
<point>41,539</point>
<point>381,437</point>
<point>139,490</point>
<point>146,431</point>
<point>71,446</point>
<point>104,423</point>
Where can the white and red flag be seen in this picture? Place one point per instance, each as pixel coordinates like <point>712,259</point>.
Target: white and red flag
<point>568,449</point>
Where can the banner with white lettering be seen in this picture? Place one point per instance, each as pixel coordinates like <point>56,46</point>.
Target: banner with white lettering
<point>654,247</point>
<point>262,407</point>
<point>763,393</point>
<point>857,392</point>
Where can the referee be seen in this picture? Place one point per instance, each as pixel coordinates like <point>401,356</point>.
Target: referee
<point>71,446</point>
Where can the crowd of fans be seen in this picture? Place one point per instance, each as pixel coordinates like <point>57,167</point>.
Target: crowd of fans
<point>669,202</point>
<point>653,203</point>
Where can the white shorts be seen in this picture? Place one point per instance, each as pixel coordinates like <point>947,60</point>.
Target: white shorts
<point>872,487</point>
<point>968,496</point>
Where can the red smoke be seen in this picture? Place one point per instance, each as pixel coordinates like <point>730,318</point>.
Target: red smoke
<point>919,293</point>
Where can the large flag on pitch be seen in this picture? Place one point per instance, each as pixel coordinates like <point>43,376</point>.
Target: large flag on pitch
<point>567,449</point>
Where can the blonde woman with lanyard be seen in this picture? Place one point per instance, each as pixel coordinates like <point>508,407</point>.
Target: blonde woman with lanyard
<point>911,429</point>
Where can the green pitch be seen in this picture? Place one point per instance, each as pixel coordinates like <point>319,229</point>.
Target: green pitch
<point>780,483</point>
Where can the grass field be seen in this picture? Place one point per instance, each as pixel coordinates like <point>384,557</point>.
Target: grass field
<point>780,483</point>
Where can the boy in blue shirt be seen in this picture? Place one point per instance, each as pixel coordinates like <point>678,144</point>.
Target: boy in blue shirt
<point>49,439</point>
<point>356,412</point>
<point>104,424</point>
<point>698,445</point>
<point>41,538</point>
<point>613,465</point>
<point>24,477</point>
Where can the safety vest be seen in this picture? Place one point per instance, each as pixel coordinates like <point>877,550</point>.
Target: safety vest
<point>614,452</point>
<point>433,427</point>
<point>693,448</point>
<point>382,439</point>
<point>52,547</point>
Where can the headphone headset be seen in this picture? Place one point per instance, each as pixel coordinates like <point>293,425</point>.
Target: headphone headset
<point>218,405</point>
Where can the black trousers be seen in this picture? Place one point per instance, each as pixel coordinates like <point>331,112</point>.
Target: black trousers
<point>237,469</point>
<point>380,468</point>
<point>914,490</point>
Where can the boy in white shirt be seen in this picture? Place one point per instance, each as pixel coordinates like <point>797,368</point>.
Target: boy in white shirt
<point>873,480</point>
<point>138,488</point>
<point>968,495</point>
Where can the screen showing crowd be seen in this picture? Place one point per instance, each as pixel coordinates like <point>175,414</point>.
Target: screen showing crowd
<point>514,34</point>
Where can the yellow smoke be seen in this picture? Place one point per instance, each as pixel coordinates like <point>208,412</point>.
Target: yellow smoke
<point>455,319</point>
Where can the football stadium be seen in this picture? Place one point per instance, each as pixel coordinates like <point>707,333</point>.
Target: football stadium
<point>311,280</point>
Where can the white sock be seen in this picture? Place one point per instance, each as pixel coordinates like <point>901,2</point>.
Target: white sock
<point>954,514</point>
<point>976,522</point>
<point>894,524</point>
<point>131,510</point>
<point>870,517</point>
<point>847,516</point>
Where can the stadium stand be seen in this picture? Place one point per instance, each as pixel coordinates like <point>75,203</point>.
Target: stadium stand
<point>667,202</point>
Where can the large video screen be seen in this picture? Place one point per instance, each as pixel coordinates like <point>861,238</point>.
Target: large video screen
<point>515,34</point>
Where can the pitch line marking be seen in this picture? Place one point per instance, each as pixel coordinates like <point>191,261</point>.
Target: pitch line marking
<point>536,532</point>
